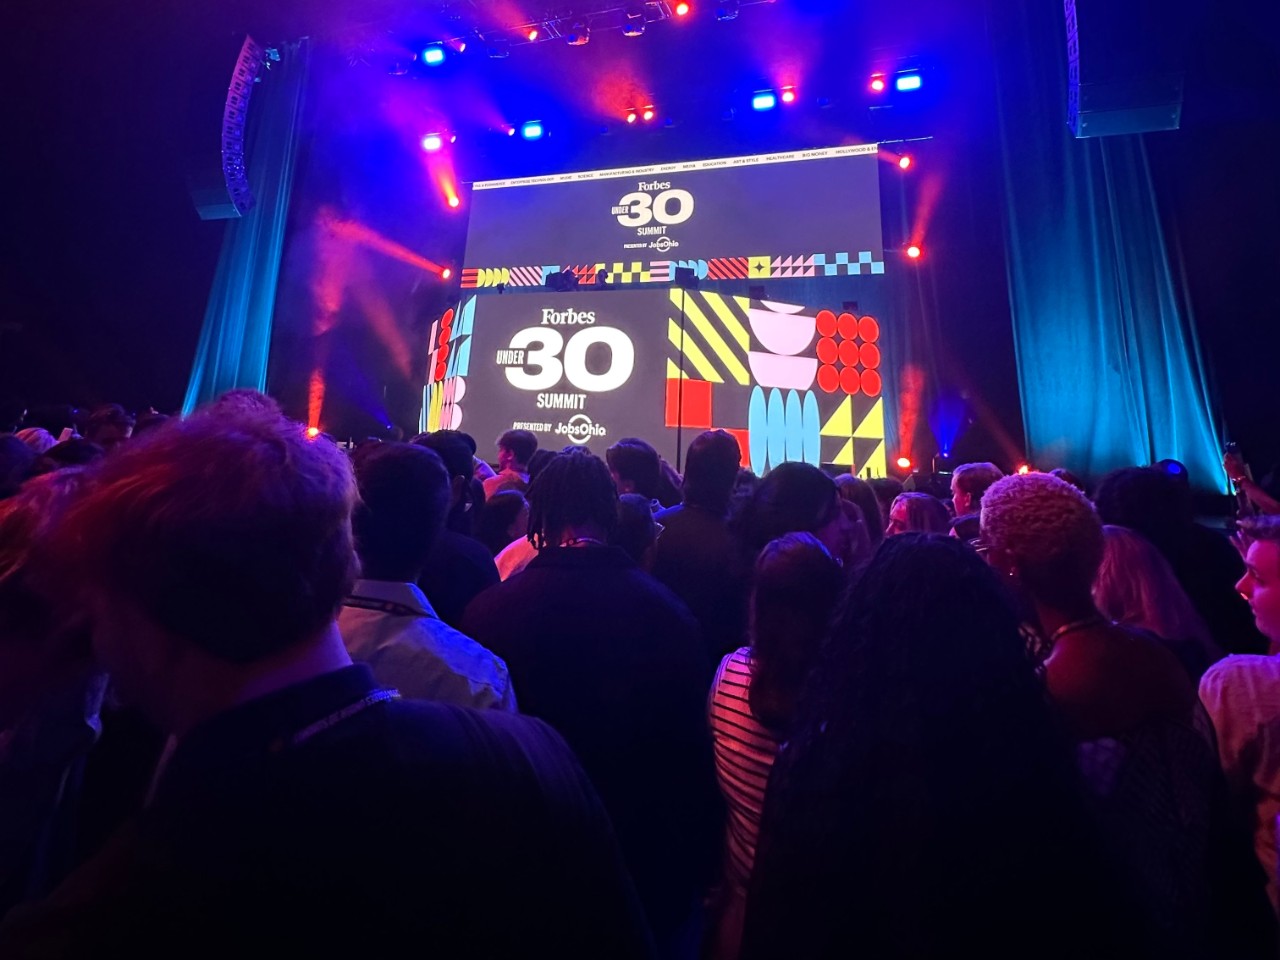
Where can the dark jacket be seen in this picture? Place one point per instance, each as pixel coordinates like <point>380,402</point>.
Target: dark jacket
<point>308,824</point>
<point>612,659</point>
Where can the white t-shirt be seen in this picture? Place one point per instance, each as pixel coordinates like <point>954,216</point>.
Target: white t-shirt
<point>1242,695</point>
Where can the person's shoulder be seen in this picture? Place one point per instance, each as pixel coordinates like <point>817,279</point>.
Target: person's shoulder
<point>1239,669</point>
<point>492,743</point>
<point>459,545</point>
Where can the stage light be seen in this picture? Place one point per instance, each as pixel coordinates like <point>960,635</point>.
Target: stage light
<point>432,142</point>
<point>460,46</point>
<point>313,432</point>
<point>433,55</point>
<point>631,116</point>
<point>877,83</point>
<point>788,94</point>
<point>455,202</point>
<point>648,114</point>
<point>532,130</point>
<point>904,463</point>
<point>633,28</point>
<point>764,100</point>
<point>1024,469</point>
<point>578,33</point>
<point>727,10</point>
<point>914,251</point>
<point>904,163</point>
<point>511,131</point>
<point>682,9</point>
<point>446,273</point>
<point>906,81</point>
<point>531,34</point>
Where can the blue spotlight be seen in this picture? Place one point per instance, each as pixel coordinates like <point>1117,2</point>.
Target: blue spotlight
<point>531,130</point>
<point>433,55</point>
<point>764,100</point>
<point>907,81</point>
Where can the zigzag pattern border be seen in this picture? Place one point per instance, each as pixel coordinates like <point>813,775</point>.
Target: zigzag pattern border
<point>762,267</point>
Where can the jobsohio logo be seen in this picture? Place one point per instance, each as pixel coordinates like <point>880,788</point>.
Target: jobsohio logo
<point>580,429</point>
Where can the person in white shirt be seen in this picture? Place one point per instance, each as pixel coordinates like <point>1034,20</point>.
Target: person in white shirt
<point>386,621</point>
<point>1242,695</point>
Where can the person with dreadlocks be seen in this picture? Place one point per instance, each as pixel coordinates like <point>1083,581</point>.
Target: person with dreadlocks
<point>612,660</point>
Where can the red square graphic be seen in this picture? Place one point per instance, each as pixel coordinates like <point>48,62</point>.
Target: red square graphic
<point>697,404</point>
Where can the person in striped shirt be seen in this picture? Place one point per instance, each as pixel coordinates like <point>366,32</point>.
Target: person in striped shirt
<point>753,698</point>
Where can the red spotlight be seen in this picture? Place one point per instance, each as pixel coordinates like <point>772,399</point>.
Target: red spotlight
<point>878,83</point>
<point>1024,469</point>
<point>904,463</point>
<point>446,273</point>
<point>455,202</point>
<point>532,34</point>
<point>904,162</point>
<point>914,251</point>
<point>313,432</point>
<point>648,113</point>
<point>682,9</point>
<point>788,94</point>
<point>631,116</point>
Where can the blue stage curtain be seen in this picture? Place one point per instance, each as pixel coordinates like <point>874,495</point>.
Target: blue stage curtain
<point>1109,364</point>
<point>236,335</point>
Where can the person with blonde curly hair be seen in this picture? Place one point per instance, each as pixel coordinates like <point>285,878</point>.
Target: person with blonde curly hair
<point>1140,738</point>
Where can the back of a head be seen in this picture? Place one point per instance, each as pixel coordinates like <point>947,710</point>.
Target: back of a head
<point>925,513</point>
<point>633,461</point>
<point>521,443</point>
<point>796,586</point>
<point>228,529</point>
<point>1146,500</point>
<point>1135,585</point>
<point>39,621</point>
<point>858,491</point>
<point>148,422</point>
<point>923,738</point>
<point>109,425</point>
<point>499,512</point>
<point>539,460</point>
<point>710,469</point>
<point>1066,476</point>
<point>886,490</point>
<point>573,492</point>
<point>16,463</point>
<point>243,401</point>
<point>27,522</point>
<point>1049,532</point>
<point>975,479</point>
<point>635,532</point>
<point>451,448</point>
<point>404,497</point>
<point>792,498</point>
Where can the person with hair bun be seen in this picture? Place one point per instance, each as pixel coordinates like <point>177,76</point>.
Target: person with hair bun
<point>1132,711</point>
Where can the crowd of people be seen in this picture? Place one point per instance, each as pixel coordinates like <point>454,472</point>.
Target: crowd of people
<point>261,692</point>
